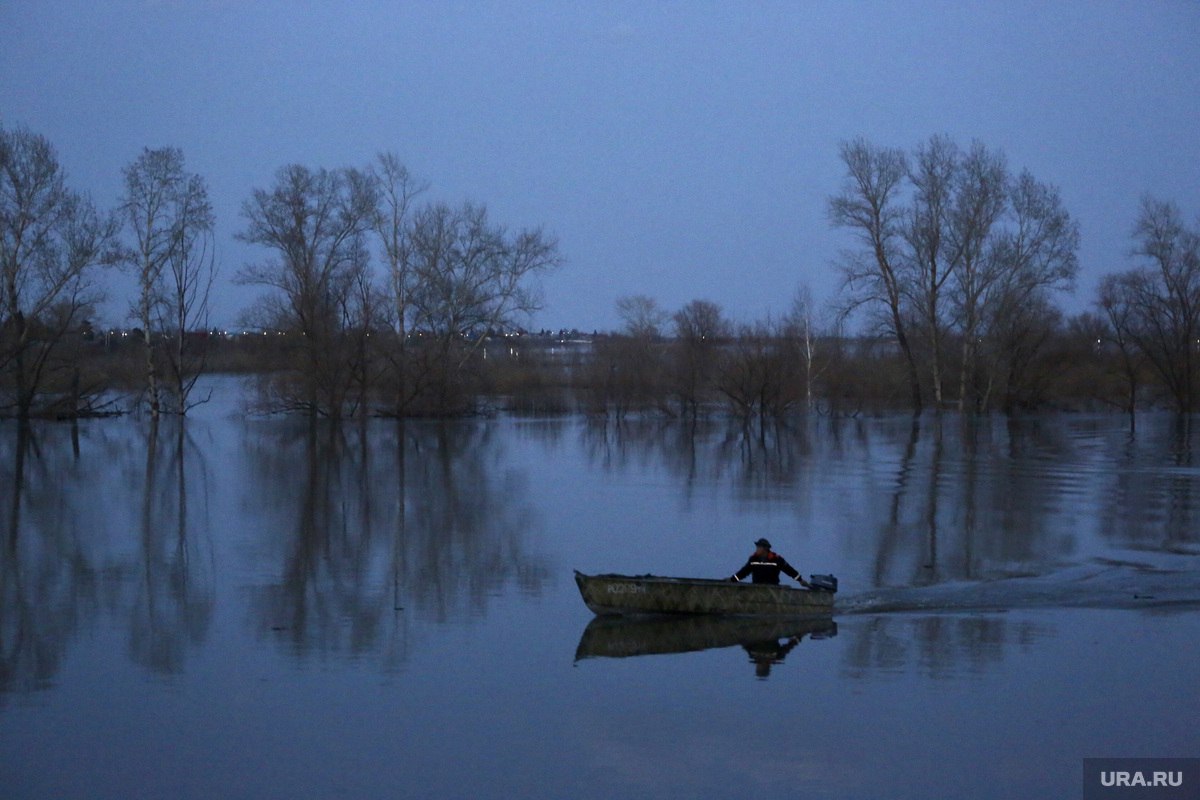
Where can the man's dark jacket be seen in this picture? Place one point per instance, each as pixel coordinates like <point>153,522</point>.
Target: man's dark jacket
<point>766,569</point>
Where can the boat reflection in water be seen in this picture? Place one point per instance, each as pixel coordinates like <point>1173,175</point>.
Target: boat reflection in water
<point>766,641</point>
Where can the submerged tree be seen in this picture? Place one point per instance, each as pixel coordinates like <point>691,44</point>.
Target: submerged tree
<point>800,327</point>
<point>1030,254</point>
<point>948,242</point>
<point>169,215</point>
<point>700,331</point>
<point>52,241</point>
<point>870,206</point>
<point>759,374</point>
<point>635,357</point>
<point>1156,308</point>
<point>398,189</point>
<point>931,257</point>
<point>315,222</point>
<point>468,278</point>
<point>1116,296</point>
<point>980,199</point>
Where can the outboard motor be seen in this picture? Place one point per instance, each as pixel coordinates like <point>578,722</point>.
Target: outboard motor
<point>824,583</point>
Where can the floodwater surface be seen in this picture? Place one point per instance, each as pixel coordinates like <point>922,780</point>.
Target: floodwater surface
<point>248,607</point>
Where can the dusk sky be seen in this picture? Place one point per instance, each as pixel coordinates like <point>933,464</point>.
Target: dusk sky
<point>681,150</point>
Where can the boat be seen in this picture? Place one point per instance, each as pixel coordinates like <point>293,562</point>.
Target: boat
<point>612,636</point>
<point>652,594</point>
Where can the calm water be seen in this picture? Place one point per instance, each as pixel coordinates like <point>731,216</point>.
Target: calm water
<point>249,608</point>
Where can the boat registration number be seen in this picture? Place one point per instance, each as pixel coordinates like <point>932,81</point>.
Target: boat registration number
<point>625,588</point>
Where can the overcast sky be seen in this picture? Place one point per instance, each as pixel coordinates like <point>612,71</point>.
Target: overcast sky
<point>681,150</point>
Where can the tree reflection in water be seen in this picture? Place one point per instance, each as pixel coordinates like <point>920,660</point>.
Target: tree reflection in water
<point>47,585</point>
<point>936,498</point>
<point>175,597</point>
<point>67,556</point>
<point>376,525</point>
<point>347,538</point>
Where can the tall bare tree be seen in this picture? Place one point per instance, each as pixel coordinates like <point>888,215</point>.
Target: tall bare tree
<point>980,199</point>
<point>1116,300</point>
<point>398,190</point>
<point>930,257</point>
<point>800,325</point>
<point>948,241</point>
<point>170,217</point>
<point>1030,254</point>
<point>52,241</point>
<point>315,222</point>
<point>1159,303</point>
<point>870,205</point>
<point>469,278</point>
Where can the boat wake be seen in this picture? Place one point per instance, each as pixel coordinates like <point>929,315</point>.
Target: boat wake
<point>1098,584</point>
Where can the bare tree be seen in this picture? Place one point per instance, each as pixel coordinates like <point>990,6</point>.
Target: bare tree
<point>945,261</point>
<point>700,329</point>
<point>193,270</point>
<point>636,367</point>
<point>169,215</point>
<point>1116,300</point>
<point>642,316</point>
<point>758,375</point>
<point>870,206</point>
<point>469,278</point>
<point>52,241</point>
<point>1014,339</point>
<point>398,189</point>
<point>700,320</point>
<point>1030,253</point>
<point>981,197</point>
<point>316,223</point>
<point>1158,306</point>
<point>800,325</point>
<point>929,237</point>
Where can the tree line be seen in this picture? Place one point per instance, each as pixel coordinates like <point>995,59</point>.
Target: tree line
<point>391,304</point>
<point>958,260</point>
<point>400,339</point>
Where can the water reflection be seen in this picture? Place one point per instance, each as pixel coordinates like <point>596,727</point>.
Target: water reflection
<point>766,641</point>
<point>1155,503</point>
<point>72,553</point>
<point>340,539</point>
<point>941,498</point>
<point>705,451</point>
<point>46,582</point>
<point>937,645</point>
<point>373,526</point>
<point>347,541</point>
<point>175,595</point>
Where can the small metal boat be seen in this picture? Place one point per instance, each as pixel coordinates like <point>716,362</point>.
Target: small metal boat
<point>651,594</point>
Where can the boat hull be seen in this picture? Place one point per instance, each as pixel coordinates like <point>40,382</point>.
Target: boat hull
<point>650,594</point>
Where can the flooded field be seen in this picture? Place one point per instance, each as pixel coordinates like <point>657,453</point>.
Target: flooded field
<point>252,607</point>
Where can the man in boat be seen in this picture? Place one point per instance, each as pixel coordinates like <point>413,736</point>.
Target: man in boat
<point>765,565</point>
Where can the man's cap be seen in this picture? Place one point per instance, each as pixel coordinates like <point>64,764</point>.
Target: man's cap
<point>762,543</point>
